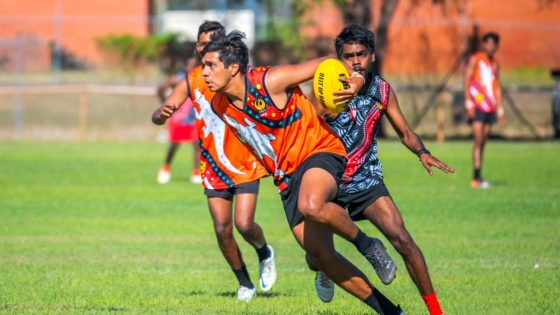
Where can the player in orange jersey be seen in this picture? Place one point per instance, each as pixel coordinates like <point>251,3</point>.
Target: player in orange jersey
<point>483,100</point>
<point>228,170</point>
<point>268,112</point>
<point>181,128</point>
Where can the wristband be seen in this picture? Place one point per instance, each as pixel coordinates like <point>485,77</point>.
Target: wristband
<point>422,151</point>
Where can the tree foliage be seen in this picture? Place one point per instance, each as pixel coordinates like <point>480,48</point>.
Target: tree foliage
<point>131,52</point>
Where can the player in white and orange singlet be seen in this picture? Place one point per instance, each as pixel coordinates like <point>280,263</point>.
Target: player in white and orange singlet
<point>228,170</point>
<point>268,112</point>
<point>483,100</point>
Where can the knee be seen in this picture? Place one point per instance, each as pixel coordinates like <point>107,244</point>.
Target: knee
<point>244,227</point>
<point>403,242</point>
<point>223,232</point>
<point>312,209</point>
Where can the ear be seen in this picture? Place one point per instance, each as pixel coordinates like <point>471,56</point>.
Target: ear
<point>372,57</point>
<point>233,69</point>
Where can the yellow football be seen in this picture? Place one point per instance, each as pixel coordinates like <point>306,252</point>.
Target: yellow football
<point>326,82</point>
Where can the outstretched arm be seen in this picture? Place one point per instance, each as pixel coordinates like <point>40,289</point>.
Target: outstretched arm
<point>171,104</point>
<point>281,77</point>
<point>411,139</point>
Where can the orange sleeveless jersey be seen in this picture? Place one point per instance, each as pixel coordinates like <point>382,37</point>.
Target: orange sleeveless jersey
<point>224,161</point>
<point>280,139</point>
<point>483,84</point>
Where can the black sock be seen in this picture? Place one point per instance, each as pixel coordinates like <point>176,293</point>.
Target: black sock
<point>362,242</point>
<point>372,302</point>
<point>476,174</point>
<point>263,252</point>
<point>386,305</point>
<point>243,277</point>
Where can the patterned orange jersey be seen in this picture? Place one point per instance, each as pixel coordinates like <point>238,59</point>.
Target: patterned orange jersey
<point>483,85</point>
<point>280,139</point>
<point>224,160</point>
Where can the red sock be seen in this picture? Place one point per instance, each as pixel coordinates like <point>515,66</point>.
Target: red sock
<point>432,304</point>
<point>166,167</point>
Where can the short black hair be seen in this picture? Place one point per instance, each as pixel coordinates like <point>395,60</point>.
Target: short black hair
<point>231,48</point>
<point>210,26</point>
<point>491,35</point>
<point>356,34</point>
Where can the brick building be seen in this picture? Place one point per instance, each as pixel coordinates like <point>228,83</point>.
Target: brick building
<point>424,36</point>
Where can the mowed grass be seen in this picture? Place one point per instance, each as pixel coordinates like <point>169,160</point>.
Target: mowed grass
<point>85,229</point>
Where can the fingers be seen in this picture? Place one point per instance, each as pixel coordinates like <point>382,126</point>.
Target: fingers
<point>428,167</point>
<point>430,161</point>
<point>167,110</point>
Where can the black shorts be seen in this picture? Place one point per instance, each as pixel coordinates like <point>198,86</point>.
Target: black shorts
<point>356,203</point>
<point>332,163</point>
<point>245,188</point>
<point>485,118</point>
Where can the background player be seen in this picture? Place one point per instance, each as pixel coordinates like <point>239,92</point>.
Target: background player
<point>268,112</point>
<point>228,169</point>
<point>362,190</point>
<point>180,128</point>
<point>483,100</point>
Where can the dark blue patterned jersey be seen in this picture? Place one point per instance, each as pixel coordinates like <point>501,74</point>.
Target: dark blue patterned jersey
<point>357,127</point>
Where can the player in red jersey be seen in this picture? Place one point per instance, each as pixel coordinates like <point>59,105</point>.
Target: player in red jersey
<point>483,100</point>
<point>228,170</point>
<point>268,112</point>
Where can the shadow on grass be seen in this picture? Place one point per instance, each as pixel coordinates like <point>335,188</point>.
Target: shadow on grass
<point>266,295</point>
<point>194,293</point>
<point>91,308</point>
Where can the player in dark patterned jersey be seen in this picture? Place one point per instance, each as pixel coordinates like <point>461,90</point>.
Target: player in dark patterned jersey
<point>362,190</point>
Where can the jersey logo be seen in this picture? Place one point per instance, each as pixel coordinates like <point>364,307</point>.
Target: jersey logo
<point>259,104</point>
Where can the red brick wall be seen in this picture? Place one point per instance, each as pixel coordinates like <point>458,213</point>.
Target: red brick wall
<point>427,38</point>
<point>81,22</point>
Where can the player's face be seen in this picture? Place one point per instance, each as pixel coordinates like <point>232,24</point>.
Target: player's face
<point>215,74</point>
<point>490,47</point>
<point>356,57</point>
<point>203,40</point>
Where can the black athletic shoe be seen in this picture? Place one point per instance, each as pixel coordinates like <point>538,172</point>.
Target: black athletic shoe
<point>400,311</point>
<point>383,264</point>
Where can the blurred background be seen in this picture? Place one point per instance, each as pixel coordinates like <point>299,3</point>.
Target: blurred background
<point>88,70</point>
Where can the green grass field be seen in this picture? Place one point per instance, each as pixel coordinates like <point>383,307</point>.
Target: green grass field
<point>85,229</point>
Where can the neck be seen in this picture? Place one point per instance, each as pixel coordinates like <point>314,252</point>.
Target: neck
<point>235,90</point>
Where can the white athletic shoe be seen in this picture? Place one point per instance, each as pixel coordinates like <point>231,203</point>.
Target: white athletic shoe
<point>324,287</point>
<point>196,179</point>
<point>245,294</point>
<point>267,271</point>
<point>163,176</point>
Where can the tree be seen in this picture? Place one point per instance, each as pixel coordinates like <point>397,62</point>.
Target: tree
<point>360,12</point>
<point>131,53</point>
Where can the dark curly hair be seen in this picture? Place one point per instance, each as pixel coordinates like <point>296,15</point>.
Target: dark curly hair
<point>355,34</point>
<point>231,48</point>
<point>210,26</point>
<point>491,36</point>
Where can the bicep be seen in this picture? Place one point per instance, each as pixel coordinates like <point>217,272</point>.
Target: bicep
<point>281,77</point>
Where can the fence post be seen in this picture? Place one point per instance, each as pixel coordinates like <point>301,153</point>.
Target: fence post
<point>440,114</point>
<point>17,105</point>
<point>83,115</point>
